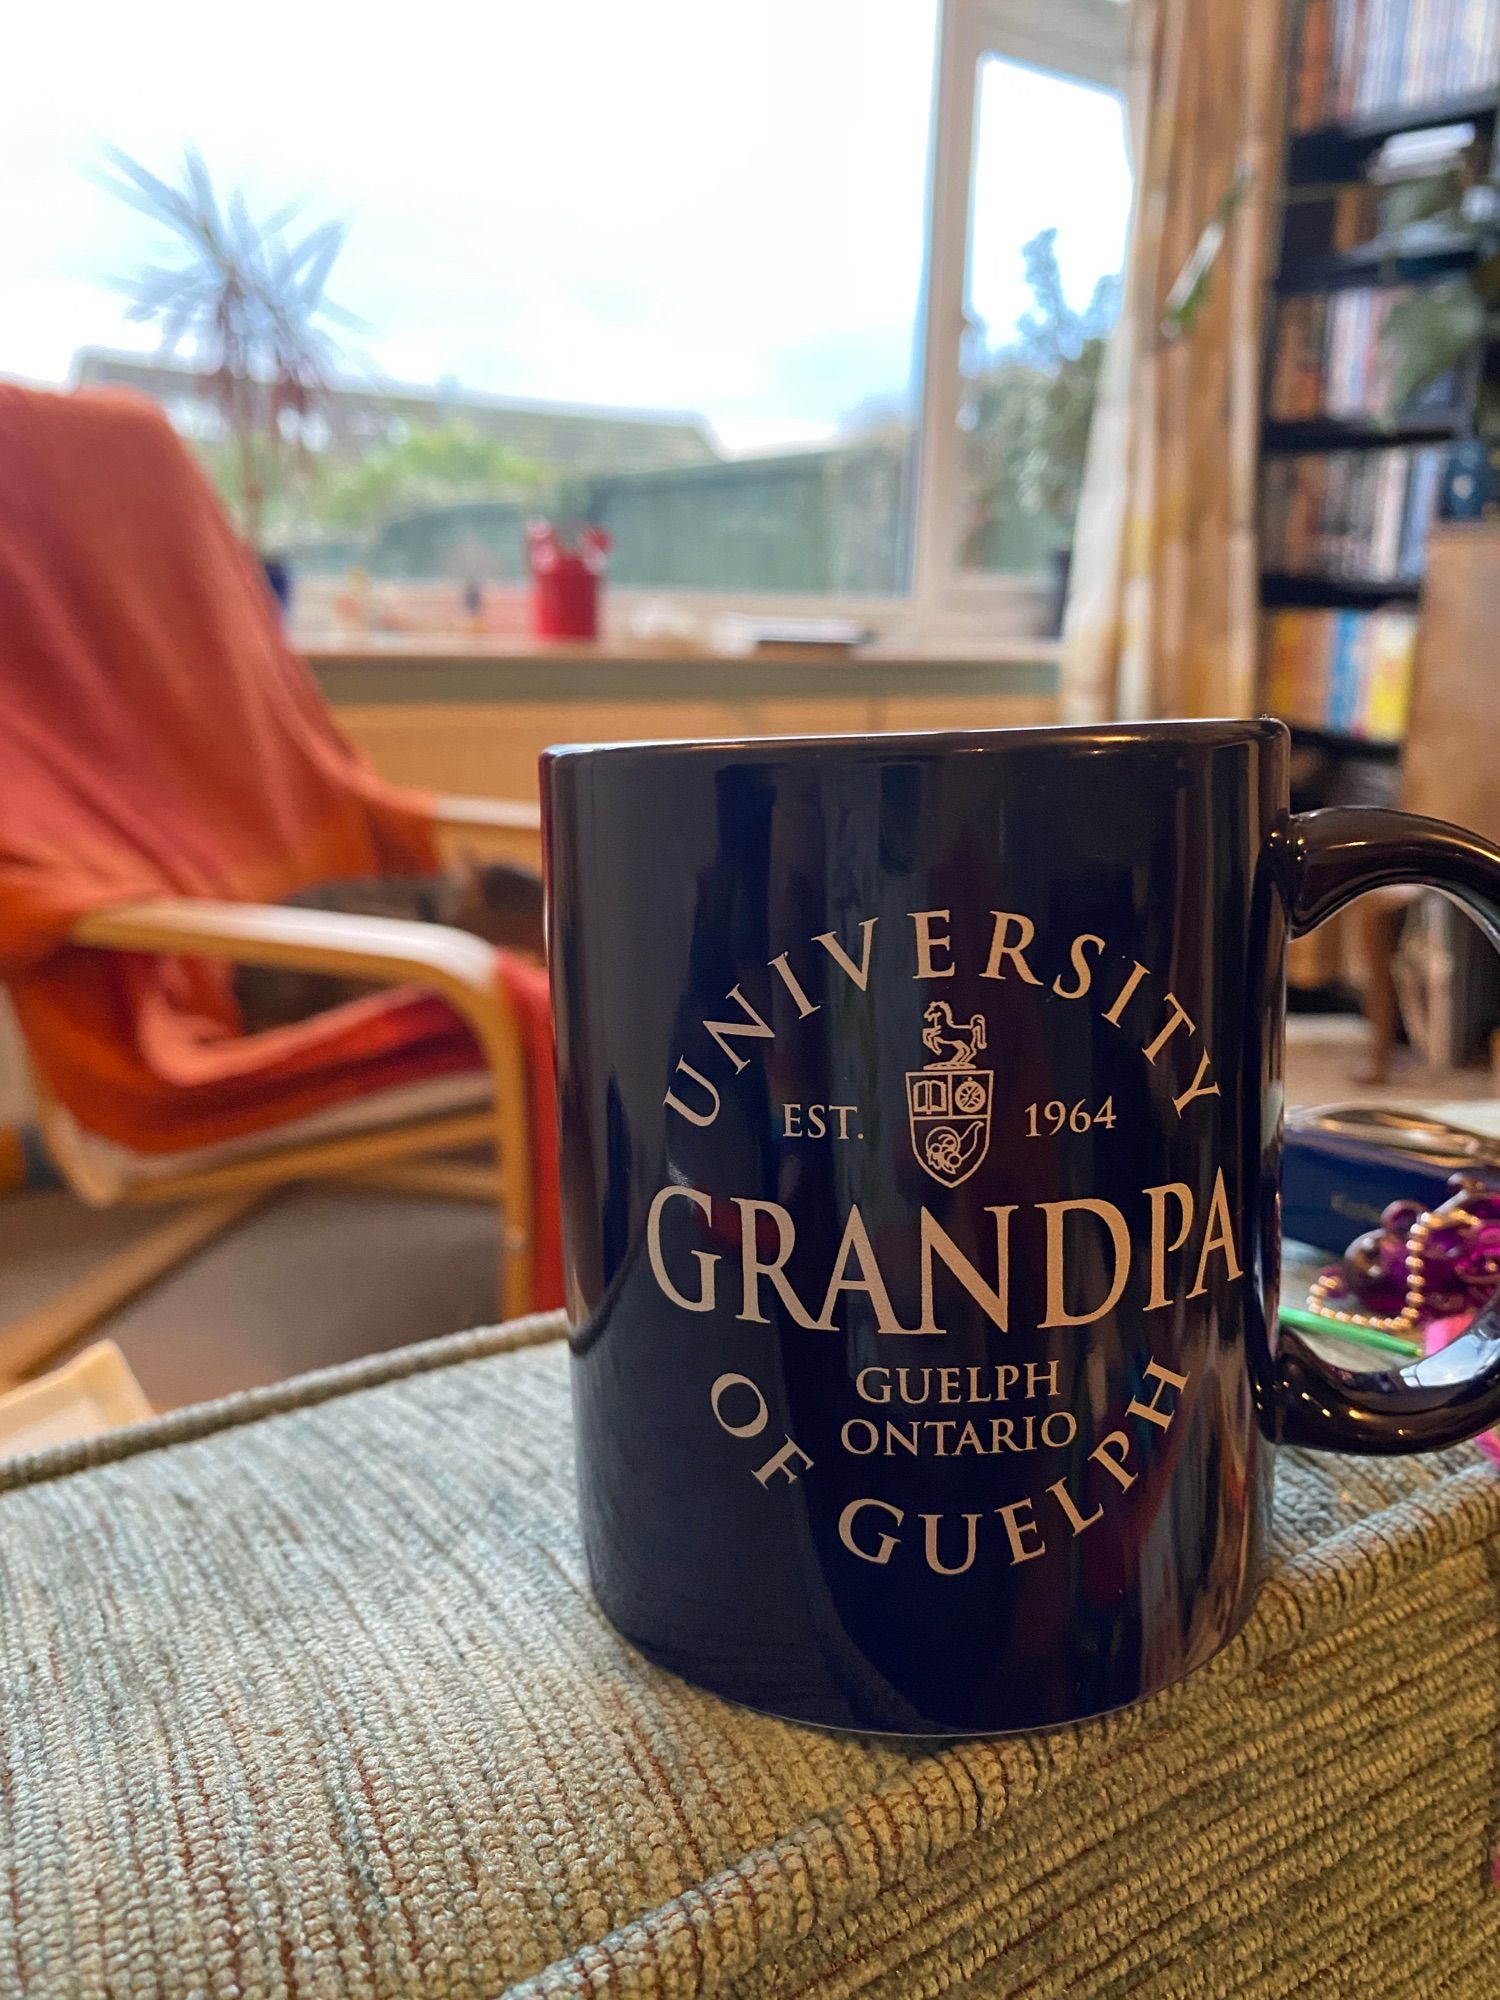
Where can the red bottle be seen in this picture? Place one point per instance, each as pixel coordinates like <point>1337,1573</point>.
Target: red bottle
<point>565,581</point>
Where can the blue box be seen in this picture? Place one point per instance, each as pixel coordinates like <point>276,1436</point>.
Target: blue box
<point>1334,1189</point>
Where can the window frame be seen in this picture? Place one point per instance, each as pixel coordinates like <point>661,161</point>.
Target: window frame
<point>944,607</point>
<point>1086,39</point>
<point>936,606</point>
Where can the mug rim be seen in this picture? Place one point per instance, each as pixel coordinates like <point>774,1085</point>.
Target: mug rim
<point>1201,732</point>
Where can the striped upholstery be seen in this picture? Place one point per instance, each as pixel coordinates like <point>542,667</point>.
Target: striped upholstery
<point>304,1694</point>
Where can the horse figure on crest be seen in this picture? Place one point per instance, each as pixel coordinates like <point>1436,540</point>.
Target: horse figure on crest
<point>962,1039</point>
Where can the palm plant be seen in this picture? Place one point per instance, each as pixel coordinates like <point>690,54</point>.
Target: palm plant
<point>248,301</point>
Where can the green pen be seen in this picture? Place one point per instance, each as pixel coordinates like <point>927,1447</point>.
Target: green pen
<point>1362,1336</point>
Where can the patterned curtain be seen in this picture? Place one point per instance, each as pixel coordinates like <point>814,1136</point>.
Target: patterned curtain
<point>1162,615</point>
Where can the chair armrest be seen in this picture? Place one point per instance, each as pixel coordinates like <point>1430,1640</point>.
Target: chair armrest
<point>389,951</point>
<point>460,815</point>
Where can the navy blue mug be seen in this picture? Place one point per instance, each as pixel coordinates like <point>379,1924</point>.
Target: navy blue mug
<point>921,1109</point>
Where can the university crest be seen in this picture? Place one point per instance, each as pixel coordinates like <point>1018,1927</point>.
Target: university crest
<point>948,1100</point>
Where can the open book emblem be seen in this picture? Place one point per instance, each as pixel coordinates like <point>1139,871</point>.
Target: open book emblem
<point>948,1100</point>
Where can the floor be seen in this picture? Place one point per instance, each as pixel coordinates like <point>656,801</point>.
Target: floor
<point>319,1276</point>
<point>316,1276</point>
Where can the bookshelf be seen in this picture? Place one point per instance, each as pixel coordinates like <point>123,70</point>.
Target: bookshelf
<point>1376,263</point>
<point>1339,148</point>
<point>1279,434</point>
<point>1382,95</point>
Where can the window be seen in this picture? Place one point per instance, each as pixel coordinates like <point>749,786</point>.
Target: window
<point>1031,193</point>
<point>722,279</point>
<point>1049,206</point>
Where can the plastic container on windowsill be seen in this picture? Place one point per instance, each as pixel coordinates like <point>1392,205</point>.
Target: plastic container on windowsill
<point>565,581</point>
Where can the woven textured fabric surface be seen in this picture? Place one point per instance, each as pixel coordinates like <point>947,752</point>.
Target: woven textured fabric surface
<point>304,1694</point>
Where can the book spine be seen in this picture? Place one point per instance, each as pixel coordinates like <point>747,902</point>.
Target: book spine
<point>1343,311</point>
<point>1351,511</point>
<point>1362,525</point>
<point>1409,546</point>
<point>1284,677</point>
<point>1313,369</point>
<point>1349,81</point>
<point>1392,653</point>
<point>1299,651</point>
<point>1344,16</point>
<point>1466,64</point>
<point>1469,47</point>
<point>1376,476</point>
<point>1417,57</point>
<point>1439,54</point>
<point>1445,58</point>
<point>1452,68</point>
<point>1288,337</point>
<point>1300,527</point>
<point>1315,662</point>
<point>1363,677</point>
<point>1385,537</point>
<point>1367,79</point>
<point>1450,64</point>
<point>1421,507</point>
<point>1317,478</point>
<point>1289,524</point>
<point>1338,707</point>
<point>1287,641</point>
<point>1490,46</point>
<point>1310,75</point>
<point>1393,71</point>
<point>1273,513</point>
<point>1332,501</point>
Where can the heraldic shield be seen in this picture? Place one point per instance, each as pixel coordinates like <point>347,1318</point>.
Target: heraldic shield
<point>948,1100</point>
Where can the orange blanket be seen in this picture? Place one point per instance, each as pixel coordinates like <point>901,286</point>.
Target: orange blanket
<point>157,737</point>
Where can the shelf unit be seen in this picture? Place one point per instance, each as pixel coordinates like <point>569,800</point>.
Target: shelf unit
<point>1332,593</point>
<point>1279,434</point>
<point>1315,163</point>
<point>1340,151</point>
<point>1439,255</point>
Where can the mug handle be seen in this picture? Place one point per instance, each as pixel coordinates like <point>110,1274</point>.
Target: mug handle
<point>1327,859</point>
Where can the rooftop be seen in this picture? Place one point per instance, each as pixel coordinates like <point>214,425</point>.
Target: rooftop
<point>558,434</point>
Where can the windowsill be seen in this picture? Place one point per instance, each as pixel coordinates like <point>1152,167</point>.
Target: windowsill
<point>333,650</point>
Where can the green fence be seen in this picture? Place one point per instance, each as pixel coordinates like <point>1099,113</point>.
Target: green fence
<point>817,522</point>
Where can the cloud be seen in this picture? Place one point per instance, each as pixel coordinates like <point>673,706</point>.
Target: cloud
<point>672,204</point>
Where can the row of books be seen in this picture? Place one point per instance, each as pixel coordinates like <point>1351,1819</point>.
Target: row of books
<point>1356,515</point>
<point>1356,57</point>
<point>1346,671</point>
<point>1330,359</point>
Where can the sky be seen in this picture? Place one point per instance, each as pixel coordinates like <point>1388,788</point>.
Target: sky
<point>670,204</point>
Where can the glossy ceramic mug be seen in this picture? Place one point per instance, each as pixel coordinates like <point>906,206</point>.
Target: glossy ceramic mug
<point>921,1118</point>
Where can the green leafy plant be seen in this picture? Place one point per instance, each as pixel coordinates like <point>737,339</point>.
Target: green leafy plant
<point>248,302</point>
<point>429,466</point>
<point>1056,412</point>
<point>1033,404</point>
<point>1434,331</point>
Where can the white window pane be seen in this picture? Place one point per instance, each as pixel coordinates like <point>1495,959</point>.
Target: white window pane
<point>1048,215</point>
<point>668,253</point>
